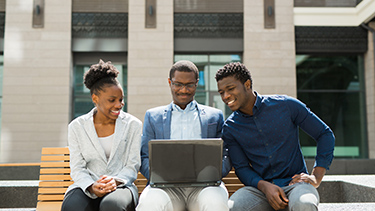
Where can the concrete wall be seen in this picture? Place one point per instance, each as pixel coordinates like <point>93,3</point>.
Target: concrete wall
<point>150,56</point>
<point>370,93</point>
<point>35,107</point>
<point>269,54</point>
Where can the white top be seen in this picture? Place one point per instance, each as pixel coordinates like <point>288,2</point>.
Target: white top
<point>106,143</point>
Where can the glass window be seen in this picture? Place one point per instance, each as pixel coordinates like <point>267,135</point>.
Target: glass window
<point>81,95</point>
<point>208,64</point>
<point>333,88</point>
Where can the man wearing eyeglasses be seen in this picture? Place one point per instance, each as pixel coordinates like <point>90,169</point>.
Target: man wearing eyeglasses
<point>184,118</point>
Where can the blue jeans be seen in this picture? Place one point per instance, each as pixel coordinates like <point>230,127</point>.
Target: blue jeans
<point>302,196</point>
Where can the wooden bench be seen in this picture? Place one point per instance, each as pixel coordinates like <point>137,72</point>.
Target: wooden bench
<point>55,179</point>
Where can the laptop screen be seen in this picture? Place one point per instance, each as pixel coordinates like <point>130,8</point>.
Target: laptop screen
<point>185,162</point>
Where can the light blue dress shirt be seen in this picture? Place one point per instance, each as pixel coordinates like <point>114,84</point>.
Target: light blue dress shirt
<point>185,124</point>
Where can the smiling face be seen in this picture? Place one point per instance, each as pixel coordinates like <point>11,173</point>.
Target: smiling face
<point>183,86</point>
<point>236,95</point>
<point>109,102</point>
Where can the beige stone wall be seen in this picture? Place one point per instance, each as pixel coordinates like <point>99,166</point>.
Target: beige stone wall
<point>37,63</point>
<point>270,53</point>
<point>150,56</point>
<point>370,93</point>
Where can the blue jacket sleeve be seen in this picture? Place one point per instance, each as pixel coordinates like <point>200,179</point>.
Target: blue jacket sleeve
<point>317,129</point>
<point>147,135</point>
<point>240,162</point>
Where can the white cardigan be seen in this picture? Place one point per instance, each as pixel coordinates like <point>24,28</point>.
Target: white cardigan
<point>87,158</point>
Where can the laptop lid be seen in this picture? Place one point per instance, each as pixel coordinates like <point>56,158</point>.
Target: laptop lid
<point>184,163</point>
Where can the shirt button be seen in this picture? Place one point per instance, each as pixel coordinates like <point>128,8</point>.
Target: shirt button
<point>267,144</point>
<point>260,130</point>
<point>270,156</point>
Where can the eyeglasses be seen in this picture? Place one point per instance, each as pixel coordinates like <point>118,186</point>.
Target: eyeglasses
<point>181,85</point>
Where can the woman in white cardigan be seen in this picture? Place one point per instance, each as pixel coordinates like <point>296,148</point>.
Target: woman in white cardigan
<point>104,148</point>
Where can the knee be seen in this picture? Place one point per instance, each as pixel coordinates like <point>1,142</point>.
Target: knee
<point>304,197</point>
<point>213,198</point>
<point>154,199</point>
<point>306,203</point>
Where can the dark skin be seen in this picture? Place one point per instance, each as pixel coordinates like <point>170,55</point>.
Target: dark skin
<point>108,103</point>
<point>240,96</point>
<point>183,96</point>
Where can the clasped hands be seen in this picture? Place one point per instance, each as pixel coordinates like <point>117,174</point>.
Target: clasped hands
<point>104,185</point>
<point>276,196</point>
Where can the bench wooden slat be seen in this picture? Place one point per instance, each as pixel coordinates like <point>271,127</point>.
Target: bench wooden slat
<point>54,164</point>
<point>42,197</point>
<point>52,190</point>
<point>49,206</point>
<point>55,184</point>
<point>55,171</point>
<point>55,158</point>
<point>55,177</point>
<point>231,180</point>
<point>55,150</point>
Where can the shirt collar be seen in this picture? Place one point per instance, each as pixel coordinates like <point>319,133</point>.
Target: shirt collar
<point>189,107</point>
<point>257,105</point>
<point>258,100</point>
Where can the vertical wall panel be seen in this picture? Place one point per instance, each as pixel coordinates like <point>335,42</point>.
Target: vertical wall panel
<point>37,64</point>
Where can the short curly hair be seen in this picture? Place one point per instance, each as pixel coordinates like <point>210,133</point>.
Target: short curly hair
<point>235,69</point>
<point>184,66</point>
<point>99,76</point>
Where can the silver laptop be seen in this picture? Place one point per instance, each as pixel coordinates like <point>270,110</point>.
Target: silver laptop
<point>185,163</point>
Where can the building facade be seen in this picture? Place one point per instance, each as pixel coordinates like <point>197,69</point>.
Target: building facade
<point>321,52</point>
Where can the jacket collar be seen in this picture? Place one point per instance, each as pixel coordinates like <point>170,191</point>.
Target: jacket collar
<point>91,132</point>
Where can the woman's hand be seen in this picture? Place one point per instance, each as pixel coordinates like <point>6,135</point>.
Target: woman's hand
<point>104,185</point>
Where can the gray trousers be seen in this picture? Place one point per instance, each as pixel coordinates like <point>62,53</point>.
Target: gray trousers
<point>119,200</point>
<point>302,196</point>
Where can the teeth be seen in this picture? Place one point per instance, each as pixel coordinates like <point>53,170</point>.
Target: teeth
<point>230,102</point>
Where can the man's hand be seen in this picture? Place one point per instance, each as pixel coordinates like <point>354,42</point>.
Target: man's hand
<point>314,179</point>
<point>103,186</point>
<point>304,178</point>
<point>275,195</point>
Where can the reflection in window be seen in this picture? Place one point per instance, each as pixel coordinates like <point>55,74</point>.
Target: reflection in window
<point>82,102</point>
<point>208,64</point>
<point>333,88</point>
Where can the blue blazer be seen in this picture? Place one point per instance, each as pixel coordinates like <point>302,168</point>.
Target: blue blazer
<point>157,125</point>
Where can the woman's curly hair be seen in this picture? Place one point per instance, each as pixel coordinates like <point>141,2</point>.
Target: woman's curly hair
<point>100,75</point>
<point>235,69</point>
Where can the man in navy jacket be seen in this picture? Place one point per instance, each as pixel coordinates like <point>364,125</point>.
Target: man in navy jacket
<point>263,143</point>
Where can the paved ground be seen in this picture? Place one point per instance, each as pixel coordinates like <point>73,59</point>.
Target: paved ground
<point>347,206</point>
